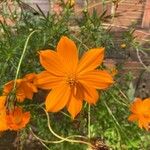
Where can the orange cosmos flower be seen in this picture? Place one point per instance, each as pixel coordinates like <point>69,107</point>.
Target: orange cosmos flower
<point>14,119</point>
<point>141,112</point>
<point>113,71</point>
<point>123,45</point>
<point>17,119</point>
<point>71,79</point>
<point>24,87</point>
<point>70,2</point>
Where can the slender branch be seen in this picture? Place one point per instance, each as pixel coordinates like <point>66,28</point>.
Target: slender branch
<point>21,58</point>
<point>80,41</point>
<point>116,122</point>
<point>54,142</point>
<point>89,121</point>
<point>140,60</point>
<point>45,145</point>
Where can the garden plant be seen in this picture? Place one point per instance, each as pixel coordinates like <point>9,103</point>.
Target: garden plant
<point>58,87</point>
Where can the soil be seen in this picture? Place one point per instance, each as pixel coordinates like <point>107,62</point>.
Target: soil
<point>7,140</point>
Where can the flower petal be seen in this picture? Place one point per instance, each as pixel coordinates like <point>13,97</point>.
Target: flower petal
<point>96,79</point>
<point>143,122</point>
<point>3,122</point>
<point>30,77</point>
<point>20,92</point>
<point>26,118</point>
<point>28,91</point>
<point>46,80</point>
<point>77,91</point>
<point>74,106</point>
<point>32,87</point>
<point>67,49</point>
<point>51,62</point>
<point>132,117</point>
<point>146,102</point>
<point>90,94</point>
<point>146,123</point>
<point>57,98</point>
<point>91,60</point>
<point>2,101</point>
<point>30,80</point>
<point>20,95</point>
<point>9,86</point>
<point>136,105</point>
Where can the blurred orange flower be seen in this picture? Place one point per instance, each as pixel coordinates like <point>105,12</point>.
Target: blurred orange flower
<point>123,45</point>
<point>24,87</point>
<point>7,21</point>
<point>13,119</point>
<point>141,112</point>
<point>70,2</point>
<point>57,8</point>
<point>71,80</point>
<point>3,123</point>
<point>17,119</point>
<point>113,71</point>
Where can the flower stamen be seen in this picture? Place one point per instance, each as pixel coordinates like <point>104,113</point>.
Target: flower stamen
<point>71,80</point>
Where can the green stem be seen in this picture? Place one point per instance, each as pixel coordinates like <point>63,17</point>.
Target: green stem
<point>89,121</point>
<point>80,41</point>
<point>55,142</point>
<point>45,145</point>
<point>21,58</point>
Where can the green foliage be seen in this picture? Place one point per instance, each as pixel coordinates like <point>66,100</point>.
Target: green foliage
<point>92,31</point>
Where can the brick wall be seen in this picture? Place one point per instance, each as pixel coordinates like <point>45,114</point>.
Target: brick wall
<point>127,12</point>
<point>146,17</point>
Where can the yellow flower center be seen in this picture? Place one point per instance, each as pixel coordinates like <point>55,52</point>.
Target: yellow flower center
<point>71,80</point>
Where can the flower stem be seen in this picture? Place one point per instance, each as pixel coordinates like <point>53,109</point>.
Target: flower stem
<point>55,142</point>
<point>89,121</point>
<point>21,58</point>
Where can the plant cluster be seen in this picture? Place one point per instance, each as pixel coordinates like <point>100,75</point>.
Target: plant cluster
<point>33,99</point>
